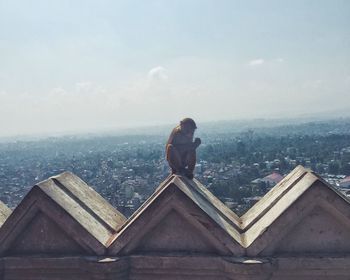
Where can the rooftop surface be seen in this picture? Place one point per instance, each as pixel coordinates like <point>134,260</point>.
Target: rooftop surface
<point>63,229</point>
<point>178,198</point>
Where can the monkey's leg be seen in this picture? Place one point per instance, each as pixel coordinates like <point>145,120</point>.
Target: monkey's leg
<point>191,162</point>
<point>174,159</point>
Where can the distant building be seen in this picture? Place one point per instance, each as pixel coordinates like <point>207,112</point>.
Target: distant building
<point>269,180</point>
<point>345,183</point>
<point>272,179</point>
<point>250,201</point>
<point>198,168</point>
<point>128,188</point>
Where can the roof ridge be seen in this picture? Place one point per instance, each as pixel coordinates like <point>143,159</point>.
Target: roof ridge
<point>246,226</point>
<point>268,200</point>
<point>139,210</point>
<point>226,212</point>
<point>234,231</point>
<point>83,205</point>
<point>157,190</point>
<point>260,225</point>
<point>338,192</point>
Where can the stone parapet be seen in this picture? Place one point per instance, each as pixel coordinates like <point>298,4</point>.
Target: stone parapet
<point>63,229</point>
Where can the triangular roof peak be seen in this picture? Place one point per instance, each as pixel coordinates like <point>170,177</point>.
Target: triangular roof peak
<point>195,204</point>
<point>247,231</point>
<point>286,205</point>
<point>68,203</point>
<point>198,193</point>
<point>69,185</point>
<point>271,197</point>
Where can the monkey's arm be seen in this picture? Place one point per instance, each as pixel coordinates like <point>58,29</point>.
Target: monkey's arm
<point>173,136</point>
<point>188,146</point>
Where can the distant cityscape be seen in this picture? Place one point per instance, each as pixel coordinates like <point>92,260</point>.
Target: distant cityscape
<point>239,164</point>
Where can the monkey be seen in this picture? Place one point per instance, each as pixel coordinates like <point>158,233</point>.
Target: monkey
<point>181,150</point>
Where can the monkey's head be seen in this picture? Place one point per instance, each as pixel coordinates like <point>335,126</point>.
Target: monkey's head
<point>188,126</point>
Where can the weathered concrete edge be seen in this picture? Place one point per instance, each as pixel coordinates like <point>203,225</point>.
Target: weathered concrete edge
<point>176,265</point>
<point>5,212</point>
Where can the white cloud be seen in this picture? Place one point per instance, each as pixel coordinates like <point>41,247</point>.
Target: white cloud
<point>83,86</point>
<point>158,73</point>
<point>256,62</point>
<point>260,61</point>
<point>58,91</point>
<point>203,88</point>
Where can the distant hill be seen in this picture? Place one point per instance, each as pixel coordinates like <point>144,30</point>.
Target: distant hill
<point>282,126</point>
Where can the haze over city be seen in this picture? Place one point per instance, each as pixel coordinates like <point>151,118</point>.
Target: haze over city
<point>182,139</point>
<point>87,65</point>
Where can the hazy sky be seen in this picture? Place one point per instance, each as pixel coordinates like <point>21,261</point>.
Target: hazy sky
<point>86,65</point>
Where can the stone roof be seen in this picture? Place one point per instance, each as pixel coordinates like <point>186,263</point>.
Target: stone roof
<point>181,215</point>
<point>203,213</point>
<point>271,197</point>
<point>257,230</point>
<point>299,230</point>
<point>65,206</point>
<point>289,203</point>
<point>67,187</point>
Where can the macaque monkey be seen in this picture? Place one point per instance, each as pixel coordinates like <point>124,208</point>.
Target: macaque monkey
<point>181,150</point>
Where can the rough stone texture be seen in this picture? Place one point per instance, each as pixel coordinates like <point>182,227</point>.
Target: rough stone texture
<point>299,230</point>
<point>197,267</point>
<point>50,239</point>
<point>145,267</point>
<point>272,197</point>
<point>319,233</point>
<point>297,205</point>
<point>67,268</point>
<point>83,204</point>
<point>193,208</point>
<point>166,235</point>
<point>63,202</point>
<point>274,208</point>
